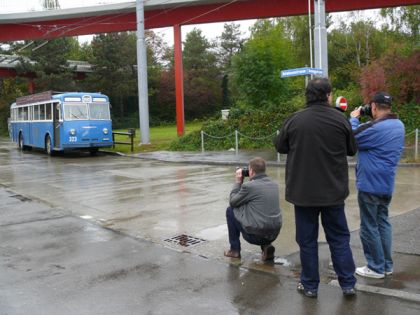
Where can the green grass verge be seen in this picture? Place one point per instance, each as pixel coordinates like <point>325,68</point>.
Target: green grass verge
<point>160,138</point>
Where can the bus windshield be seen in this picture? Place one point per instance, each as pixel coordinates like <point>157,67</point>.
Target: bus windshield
<point>99,111</point>
<point>75,111</point>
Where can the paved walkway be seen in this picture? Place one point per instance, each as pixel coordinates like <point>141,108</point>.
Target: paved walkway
<point>52,262</point>
<point>58,256</point>
<point>405,282</point>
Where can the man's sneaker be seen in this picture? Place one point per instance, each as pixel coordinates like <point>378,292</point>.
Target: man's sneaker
<point>366,272</point>
<point>349,292</point>
<point>388,273</point>
<point>308,293</point>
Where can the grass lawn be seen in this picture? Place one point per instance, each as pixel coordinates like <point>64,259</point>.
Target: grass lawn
<point>160,138</point>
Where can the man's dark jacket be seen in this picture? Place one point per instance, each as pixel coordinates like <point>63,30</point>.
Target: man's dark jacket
<point>317,141</point>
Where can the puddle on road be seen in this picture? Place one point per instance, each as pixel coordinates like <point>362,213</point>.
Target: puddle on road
<point>214,233</point>
<point>96,234</point>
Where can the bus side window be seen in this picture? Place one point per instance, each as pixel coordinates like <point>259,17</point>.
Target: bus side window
<point>48,111</point>
<point>42,112</point>
<point>36,112</point>
<point>25,113</point>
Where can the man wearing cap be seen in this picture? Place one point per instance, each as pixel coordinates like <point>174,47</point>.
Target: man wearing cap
<point>380,142</point>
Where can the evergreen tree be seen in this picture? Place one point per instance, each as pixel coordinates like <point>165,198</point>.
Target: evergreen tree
<point>202,82</point>
<point>230,44</point>
<point>47,60</point>
<point>114,71</point>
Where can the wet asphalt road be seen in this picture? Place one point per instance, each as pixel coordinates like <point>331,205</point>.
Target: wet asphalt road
<point>86,235</point>
<point>156,201</point>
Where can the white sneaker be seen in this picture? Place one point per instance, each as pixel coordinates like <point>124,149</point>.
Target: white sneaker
<point>366,272</point>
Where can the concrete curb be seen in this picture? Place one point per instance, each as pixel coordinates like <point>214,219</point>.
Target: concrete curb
<point>412,297</point>
<point>147,156</point>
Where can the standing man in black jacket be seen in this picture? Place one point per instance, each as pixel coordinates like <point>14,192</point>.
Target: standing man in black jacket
<point>317,141</point>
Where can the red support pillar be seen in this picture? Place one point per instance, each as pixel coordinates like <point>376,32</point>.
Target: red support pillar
<point>179,80</point>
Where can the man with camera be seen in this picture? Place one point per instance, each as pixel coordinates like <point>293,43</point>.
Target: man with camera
<point>317,141</point>
<point>380,143</point>
<point>254,211</point>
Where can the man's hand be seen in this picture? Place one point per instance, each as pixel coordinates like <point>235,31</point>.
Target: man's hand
<point>356,112</point>
<point>238,176</point>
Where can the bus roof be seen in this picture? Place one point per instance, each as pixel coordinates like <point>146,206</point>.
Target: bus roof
<point>50,95</point>
<point>37,97</point>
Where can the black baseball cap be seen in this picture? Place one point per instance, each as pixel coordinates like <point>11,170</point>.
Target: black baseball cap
<point>382,98</point>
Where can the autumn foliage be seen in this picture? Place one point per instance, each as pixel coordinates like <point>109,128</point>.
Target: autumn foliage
<point>394,73</point>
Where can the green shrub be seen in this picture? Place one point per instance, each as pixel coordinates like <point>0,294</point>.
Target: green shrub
<point>256,128</point>
<point>409,115</point>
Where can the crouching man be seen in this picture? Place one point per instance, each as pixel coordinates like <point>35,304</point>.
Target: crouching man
<point>254,211</point>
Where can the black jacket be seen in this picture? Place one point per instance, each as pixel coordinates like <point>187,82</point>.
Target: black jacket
<point>317,141</point>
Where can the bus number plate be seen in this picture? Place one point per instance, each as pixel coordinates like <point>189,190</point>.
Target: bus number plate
<point>72,139</point>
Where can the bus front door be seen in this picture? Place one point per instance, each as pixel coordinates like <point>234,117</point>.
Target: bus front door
<point>57,125</point>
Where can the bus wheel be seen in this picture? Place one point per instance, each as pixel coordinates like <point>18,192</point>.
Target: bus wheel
<point>93,152</point>
<point>48,147</point>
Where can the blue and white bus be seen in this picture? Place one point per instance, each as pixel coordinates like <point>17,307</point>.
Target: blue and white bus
<point>61,121</point>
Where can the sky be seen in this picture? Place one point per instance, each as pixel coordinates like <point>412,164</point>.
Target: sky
<point>210,31</point>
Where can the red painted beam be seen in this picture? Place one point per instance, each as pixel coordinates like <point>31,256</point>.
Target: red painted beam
<point>179,81</point>
<point>241,10</point>
<point>10,72</point>
<point>6,73</point>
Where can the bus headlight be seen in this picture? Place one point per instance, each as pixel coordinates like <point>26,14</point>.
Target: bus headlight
<point>105,130</point>
<point>72,132</point>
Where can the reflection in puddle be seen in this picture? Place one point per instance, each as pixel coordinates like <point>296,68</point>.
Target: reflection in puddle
<point>214,233</point>
<point>96,234</point>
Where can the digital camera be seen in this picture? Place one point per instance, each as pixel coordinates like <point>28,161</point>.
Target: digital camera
<point>366,110</point>
<point>245,171</point>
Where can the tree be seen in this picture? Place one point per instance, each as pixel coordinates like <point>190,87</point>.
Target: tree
<point>48,61</point>
<point>296,29</point>
<point>256,68</point>
<point>114,59</point>
<point>202,82</point>
<point>156,52</point>
<point>230,44</point>
<point>404,20</point>
<point>393,73</point>
<point>352,47</point>
<point>114,71</point>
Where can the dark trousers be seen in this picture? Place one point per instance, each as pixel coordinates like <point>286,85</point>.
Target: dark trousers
<point>338,237</point>
<point>235,229</point>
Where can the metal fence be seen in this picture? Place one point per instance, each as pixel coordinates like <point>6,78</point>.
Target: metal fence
<point>411,149</point>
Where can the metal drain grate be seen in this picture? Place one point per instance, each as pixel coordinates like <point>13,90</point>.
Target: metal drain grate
<point>185,240</point>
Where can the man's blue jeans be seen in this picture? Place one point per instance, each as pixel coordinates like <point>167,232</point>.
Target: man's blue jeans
<point>376,231</point>
<point>338,237</point>
<point>235,229</point>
